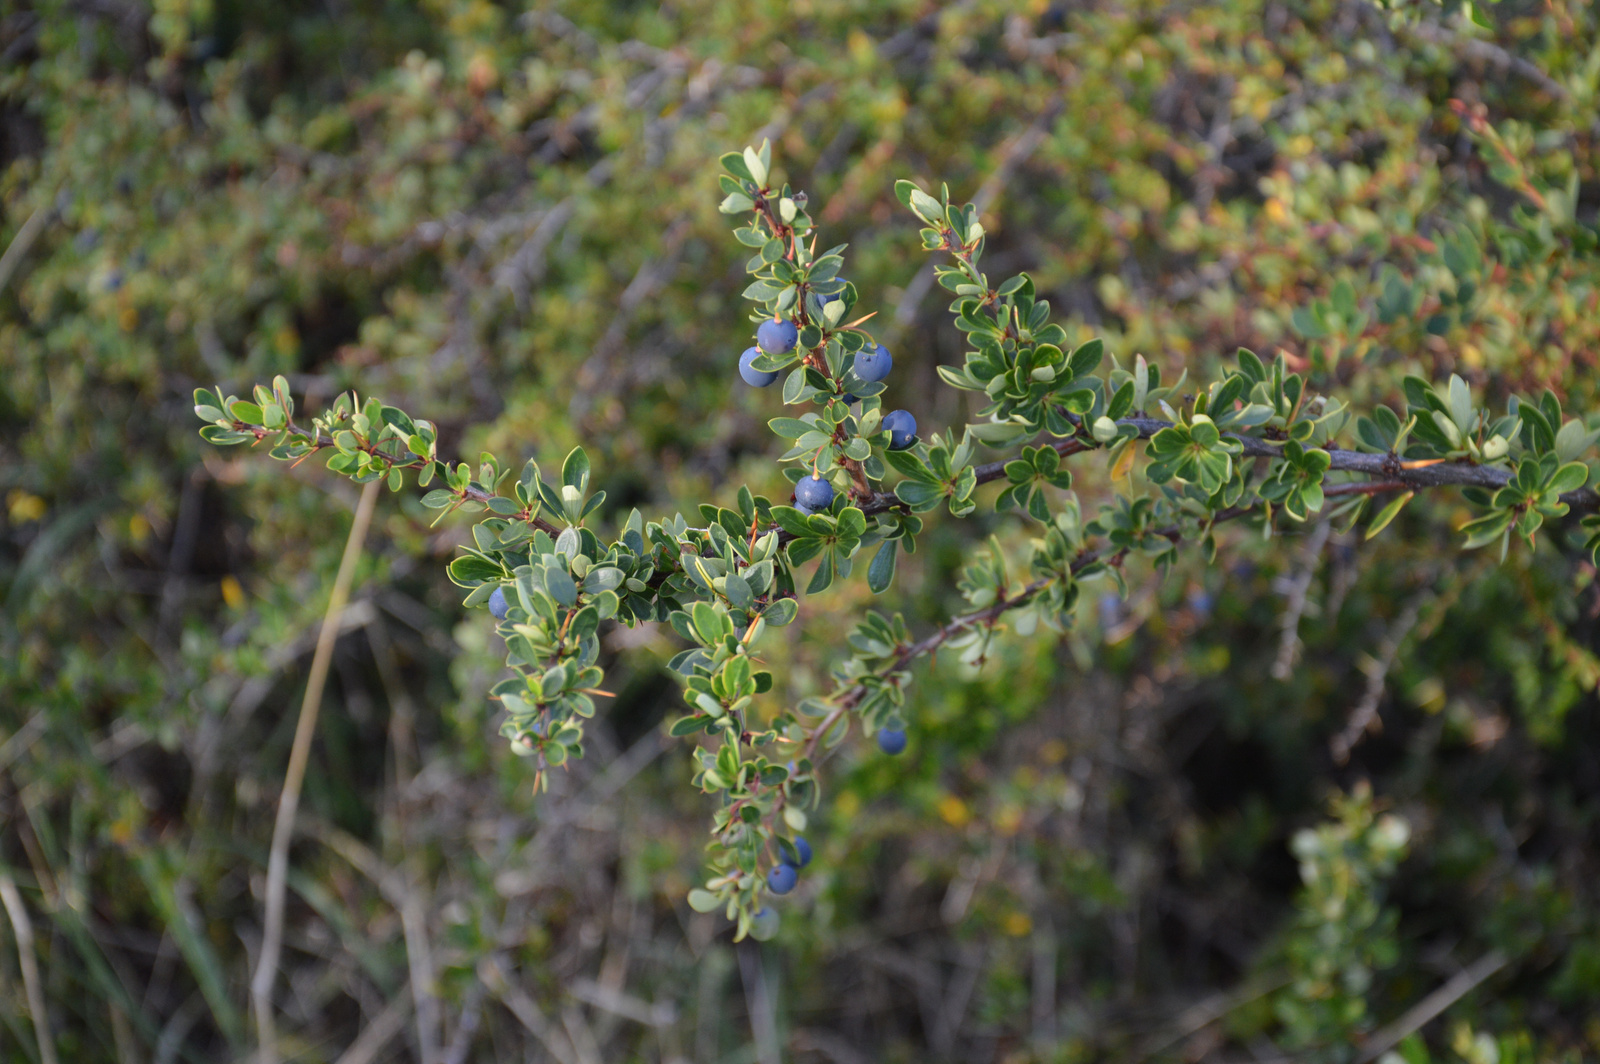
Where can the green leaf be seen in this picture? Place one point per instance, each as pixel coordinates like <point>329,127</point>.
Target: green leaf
<point>822,579</point>
<point>790,428</point>
<point>738,591</point>
<point>791,520</point>
<point>925,206</point>
<point>1486,530</point>
<point>1460,403</point>
<point>1203,432</point>
<point>919,495</point>
<point>575,470</point>
<point>560,584</point>
<point>908,464</point>
<point>852,523</point>
<point>1389,513</point>
<point>1572,440</point>
<point>733,162</point>
<point>703,901</point>
<point>224,437</point>
<point>1086,359</point>
<point>249,413</point>
<point>781,612</point>
<point>1569,477</point>
<point>602,578</point>
<point>707,623</point>
<point>880,574</point>
<point>470,570</point>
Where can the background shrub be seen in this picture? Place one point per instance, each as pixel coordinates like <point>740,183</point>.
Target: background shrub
<point>1267,804</point>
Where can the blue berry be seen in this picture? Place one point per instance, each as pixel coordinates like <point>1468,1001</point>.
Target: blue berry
<point>802,850</point>
<point>812,494</point>
<point>782,878</point>
<point>498,604</point>
<point>764,925</point>
<point>874,363</point>
<point>777,337</point>
<point>756,378</point>
<point>902,429</point>
<point>892,740</point>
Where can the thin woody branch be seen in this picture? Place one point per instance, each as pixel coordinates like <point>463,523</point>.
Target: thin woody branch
<point>1396,474</point>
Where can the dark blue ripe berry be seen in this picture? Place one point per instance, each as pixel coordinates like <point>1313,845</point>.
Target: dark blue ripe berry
<point>498,604</point>
<point>902,429</point>
<point>782,878</point>
<point>756,378</point>
<point>802,850</point>
<point>812,494</point>
<point>874,363</point>
<point>892,740</point>
<point>777,337</point>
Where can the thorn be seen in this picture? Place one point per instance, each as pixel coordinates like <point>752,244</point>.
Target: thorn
<point>858,321</point>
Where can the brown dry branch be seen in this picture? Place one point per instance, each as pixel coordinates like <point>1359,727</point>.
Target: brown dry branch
<point>283,831</point>
<point>22,928</point>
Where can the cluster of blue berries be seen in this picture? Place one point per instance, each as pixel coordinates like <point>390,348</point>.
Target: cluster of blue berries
<point>786,873</point>
<point>872,364</point>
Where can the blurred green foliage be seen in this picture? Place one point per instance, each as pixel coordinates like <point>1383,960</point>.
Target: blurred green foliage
<point>502,217</point>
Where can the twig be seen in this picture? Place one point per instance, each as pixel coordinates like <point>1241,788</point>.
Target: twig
<point>370,1042</point>
<point>580,1035</point>
<point>23,927</point>
<point>526,265</point>
<point>21,740</point>
<point>1429,1008</point>
<point>1299,587</point>
<point>620,1003</point>
<point>23,241</point>
<point>185,538</point>
<point>419,956</point>
<point>471,1017</point>
<point>835,1048</point>
<point>123,1037</point>
<point>399,889</point>
<point>1395,476</point>
<point>1377,672</point>
<point>758,1000</point>
<point>1487,53</point>
<point>653,272</point>
<point>1204,1013</point>
<point>320,440</point>
<point>413,915</point>
<point>305,730</point>
<point>525,1009</point>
